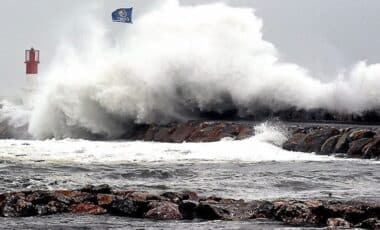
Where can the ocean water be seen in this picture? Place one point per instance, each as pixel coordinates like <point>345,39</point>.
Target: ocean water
<point>255,168</point>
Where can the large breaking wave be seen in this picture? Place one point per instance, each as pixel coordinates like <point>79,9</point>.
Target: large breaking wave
<point>176,62</point>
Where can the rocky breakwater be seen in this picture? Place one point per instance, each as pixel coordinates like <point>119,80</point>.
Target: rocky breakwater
<point>101,200</point>
<point>193,131</point>
<point>326,139</point>
<point>352,141</point>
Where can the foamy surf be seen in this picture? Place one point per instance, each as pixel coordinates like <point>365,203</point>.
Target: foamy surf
<point>262,147</point>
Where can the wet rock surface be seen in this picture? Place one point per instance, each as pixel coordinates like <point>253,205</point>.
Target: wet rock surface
<point>359,142</point>
<point>187,205</point>
<point>192,131</point>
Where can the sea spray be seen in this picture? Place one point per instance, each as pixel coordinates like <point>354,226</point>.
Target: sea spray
<point>175,62</point>
<point>273,132</point>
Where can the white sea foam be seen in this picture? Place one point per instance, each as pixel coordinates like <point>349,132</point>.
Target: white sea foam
<point>255,149</point>
<point>175,61</point>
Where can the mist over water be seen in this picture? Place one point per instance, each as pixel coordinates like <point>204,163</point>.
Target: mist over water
<point>175,62</point>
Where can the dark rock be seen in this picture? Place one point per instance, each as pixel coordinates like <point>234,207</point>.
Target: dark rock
<point>245,132</point>
<point>151,197</point>
<point>294,142</point>
<point>105,200</point>
<point>371,223</point>
<point>172,196</point>
<point>297,212</point>
<point>187,205</point>
<point>189,195</point>
<point>314,140</point>
<point>188,209</point>
<point>182,132</point>
<point>104,188</point>
<point>356,147</point>
<point>88,208</point>
<point>163,211</point>
<point>209,212</point>
<point>311,141</point>
<point>360,134</point>
<point>163,134</point>
<point>149,135</point>
<point>39,197</point>
<point>338,223</point>
<point>208,132</point>
<point>52,207</point>
<point>129,208</point>
<point>16,206</point>
<point>262,209</point>
<point>372,149</point>
<point>176,197</point>
<point>138,196</point>
<point>226,209</point>
<point>342,143</point>
<point>68,197</point>
<point>352,211</point>
<point>329,146</point>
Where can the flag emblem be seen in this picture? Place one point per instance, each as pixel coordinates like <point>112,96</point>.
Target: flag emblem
<point>122,15</point>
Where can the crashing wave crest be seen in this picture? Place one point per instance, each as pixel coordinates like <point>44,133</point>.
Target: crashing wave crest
<point>177,62</point>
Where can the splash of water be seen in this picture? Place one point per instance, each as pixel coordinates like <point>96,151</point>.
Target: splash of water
<point>176,62</point>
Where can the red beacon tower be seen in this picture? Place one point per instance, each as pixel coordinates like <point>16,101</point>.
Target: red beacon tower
<point>32,59</point>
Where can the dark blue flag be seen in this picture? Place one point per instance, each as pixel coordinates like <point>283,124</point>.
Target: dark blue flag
<point>122,15</point>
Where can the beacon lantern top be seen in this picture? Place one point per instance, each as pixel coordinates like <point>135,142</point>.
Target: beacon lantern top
<point>32,59</point>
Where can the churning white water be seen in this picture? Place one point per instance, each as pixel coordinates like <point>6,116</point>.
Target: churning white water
<point>262,147</point>
<point>175,61</point>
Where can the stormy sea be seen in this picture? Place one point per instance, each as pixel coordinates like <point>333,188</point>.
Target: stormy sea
<point>249,169</point>
<point>203,63</point>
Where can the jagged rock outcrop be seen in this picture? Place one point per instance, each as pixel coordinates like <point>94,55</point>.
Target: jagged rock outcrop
<point>100,200</point>
<point>353,142</point>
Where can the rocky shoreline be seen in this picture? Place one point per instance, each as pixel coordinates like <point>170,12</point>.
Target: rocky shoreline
<point>187,205</point>
<point>347,141</point>
<point>356,142</point>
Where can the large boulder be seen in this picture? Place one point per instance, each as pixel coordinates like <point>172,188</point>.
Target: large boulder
<point>227,209</point>
<point>360,134</point>
<point>88,208</point>
<point>294,143</point>
<point>298,212</point>
<point>188,209</point>
<point>163,210</point>
<point>329,146</point>
<point>342,143</point>
<point>336,223</point>
<point>312,141</point>
<point>130,208</point>
<point>356,147</point>
<point>103,188</point>
<point>372,149</point>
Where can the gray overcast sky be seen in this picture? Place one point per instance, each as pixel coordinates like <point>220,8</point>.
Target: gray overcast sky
<point>321,35</point>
